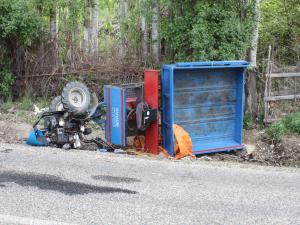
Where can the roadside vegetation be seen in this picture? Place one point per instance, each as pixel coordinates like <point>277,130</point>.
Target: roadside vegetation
<point>289,125</point>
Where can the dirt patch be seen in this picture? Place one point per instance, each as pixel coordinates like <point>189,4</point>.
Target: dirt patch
<point>261,150</point>
<point>284,153</point>
<point>12,130</point>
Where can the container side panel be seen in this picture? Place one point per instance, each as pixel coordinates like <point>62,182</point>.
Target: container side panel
<point>167,109</point>
<point>239,106</point>
<point>116,103</point>
<point>205,105</point>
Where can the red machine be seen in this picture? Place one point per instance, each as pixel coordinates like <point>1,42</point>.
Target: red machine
<point>132,109</point>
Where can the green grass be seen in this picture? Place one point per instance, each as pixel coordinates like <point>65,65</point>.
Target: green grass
<point>292,122</point>
<point>26,101</point>
<point>289,125</point>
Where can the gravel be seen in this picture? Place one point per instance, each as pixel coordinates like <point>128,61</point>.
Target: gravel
<point>85,187</point>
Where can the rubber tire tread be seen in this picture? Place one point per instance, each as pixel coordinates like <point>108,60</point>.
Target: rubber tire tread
<point>54,103</point>
<point>68,105</point>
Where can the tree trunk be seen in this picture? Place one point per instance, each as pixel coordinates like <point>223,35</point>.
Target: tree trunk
<point>251,95</point>
<point>54,36</point>
<point>123,17</point>
<point>144,29</point>
<point>86,27</point>
<point>254,39</point>
<point>155,31</point>
<point>95,28</point>
<point>76,37</point>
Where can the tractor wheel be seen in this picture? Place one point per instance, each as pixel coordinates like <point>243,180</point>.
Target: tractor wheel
<point>76,98</point>
<point>56,105</point>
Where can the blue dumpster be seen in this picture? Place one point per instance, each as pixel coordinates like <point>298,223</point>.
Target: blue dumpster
<point>206,99</point>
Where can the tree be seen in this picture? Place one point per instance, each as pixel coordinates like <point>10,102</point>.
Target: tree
<point>280,28</point>
<point>144,29</point>
<point>155,31</point>
<point>86,26</point>
<point>251,95</point>
<point>76,11</point>
<point>123,14</point>
<point>53,34</point>
<point>94,27</point>
<point>20,27</point>
<point>254,38</point>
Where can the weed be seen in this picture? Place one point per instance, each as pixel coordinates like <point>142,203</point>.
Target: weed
<point>276,130</point>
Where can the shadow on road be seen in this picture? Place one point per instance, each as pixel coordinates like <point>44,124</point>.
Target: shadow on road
<point>115,179</point>
<point>6,150</point>
<point>54,183</point>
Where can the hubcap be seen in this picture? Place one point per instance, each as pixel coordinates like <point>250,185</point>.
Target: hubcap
<point>77,97</point>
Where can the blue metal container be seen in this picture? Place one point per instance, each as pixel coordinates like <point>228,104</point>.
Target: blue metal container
<point>115,101</point>
<point>206,99</point>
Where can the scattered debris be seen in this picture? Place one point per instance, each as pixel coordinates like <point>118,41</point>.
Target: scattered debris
<point>284,153</point>
<point>206,158</point>
<point>258,150</point>
<point>37,110</point>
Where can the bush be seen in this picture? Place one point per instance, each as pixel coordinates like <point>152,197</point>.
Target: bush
<point>6,82</point>
<point>292,122</point>
<point>19,22</point>
<point>207,30</point>
<point>248,122</point>
<point>276,130</point>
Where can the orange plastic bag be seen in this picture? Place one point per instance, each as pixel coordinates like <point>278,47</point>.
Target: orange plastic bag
<point>183,144</point>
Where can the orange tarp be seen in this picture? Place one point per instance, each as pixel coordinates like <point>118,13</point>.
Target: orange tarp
<point>183,143</point>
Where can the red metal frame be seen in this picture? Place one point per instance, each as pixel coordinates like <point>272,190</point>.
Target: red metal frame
<point>151,97</point>
<point>108,119</point>
<point>122,117</point>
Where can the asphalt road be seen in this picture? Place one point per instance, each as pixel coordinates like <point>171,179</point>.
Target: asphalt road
<point>52,186</point>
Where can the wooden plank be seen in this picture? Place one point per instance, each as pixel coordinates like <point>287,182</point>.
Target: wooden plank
<point>267,84</point>
<point>270,120</point>
<point>279,75</point>
<point>284,97</point>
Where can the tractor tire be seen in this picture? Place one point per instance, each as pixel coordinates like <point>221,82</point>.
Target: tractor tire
<point>76,98</point>
<point>56,105</point>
